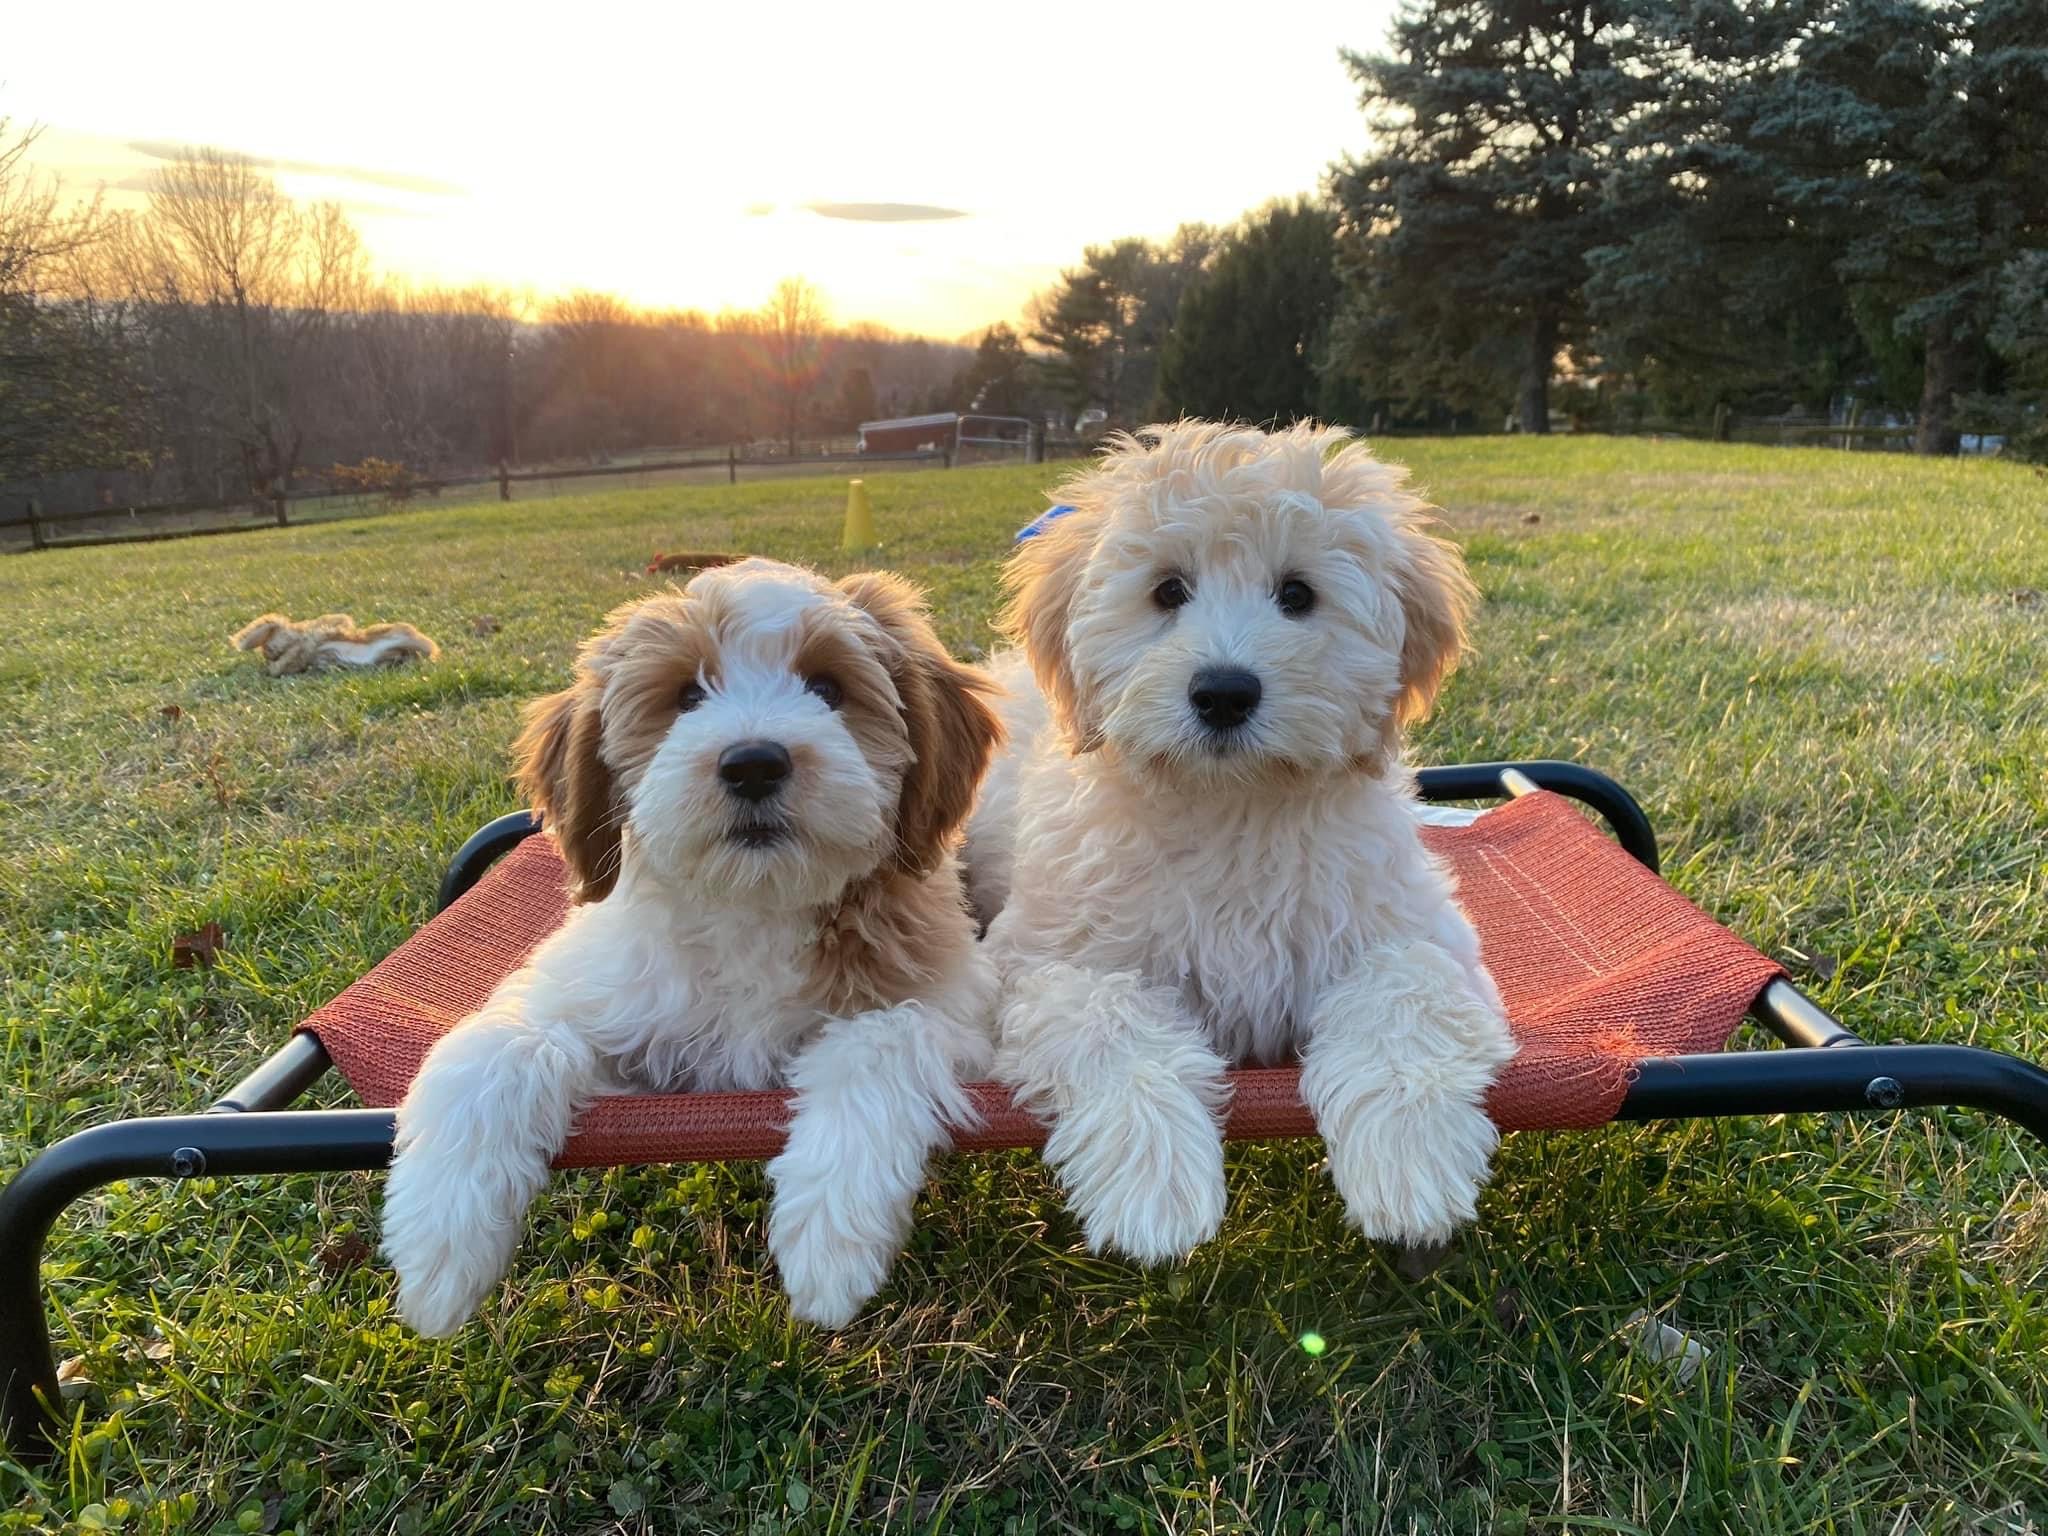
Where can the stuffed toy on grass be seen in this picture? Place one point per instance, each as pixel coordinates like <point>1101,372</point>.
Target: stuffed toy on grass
<point>332,640</point>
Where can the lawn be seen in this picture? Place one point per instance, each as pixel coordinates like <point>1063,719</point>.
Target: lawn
<point>1825,674</point>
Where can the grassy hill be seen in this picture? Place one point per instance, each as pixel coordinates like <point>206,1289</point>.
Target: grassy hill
<point>1826,676</point>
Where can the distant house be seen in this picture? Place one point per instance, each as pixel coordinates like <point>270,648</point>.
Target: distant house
<point>962,435</point>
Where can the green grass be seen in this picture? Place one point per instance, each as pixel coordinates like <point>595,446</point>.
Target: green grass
<point>1813,667</point>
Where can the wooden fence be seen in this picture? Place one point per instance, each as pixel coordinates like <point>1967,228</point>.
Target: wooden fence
<point>45,529</point>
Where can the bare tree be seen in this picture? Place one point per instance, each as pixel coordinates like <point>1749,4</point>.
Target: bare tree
<point>31,229</point>
<point>793,331</point>
<point>239,286</point>
<point>61,387</point>
<point>428,379</point>
<point>224,341</point>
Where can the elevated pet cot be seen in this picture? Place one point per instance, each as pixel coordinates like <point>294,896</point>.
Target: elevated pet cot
<point>1621,992</point>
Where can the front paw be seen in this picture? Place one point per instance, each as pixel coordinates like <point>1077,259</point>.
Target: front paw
<point>1145,1178</point>
<point>826,1274</point>
<point>1412,1174</point>
<point>449,1241</point>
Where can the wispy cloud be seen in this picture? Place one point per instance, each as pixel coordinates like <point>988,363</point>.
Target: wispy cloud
<point>885,213</point>
<point>163,149</point>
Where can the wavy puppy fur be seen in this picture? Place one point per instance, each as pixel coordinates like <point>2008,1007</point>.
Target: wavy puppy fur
<point>1201,848</point>
<point>757,786</point>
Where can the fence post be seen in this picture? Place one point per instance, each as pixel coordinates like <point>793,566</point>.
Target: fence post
<point>949,458</point>
<point>504,482</point>
<point>35,527</point>
<point>732,465</point>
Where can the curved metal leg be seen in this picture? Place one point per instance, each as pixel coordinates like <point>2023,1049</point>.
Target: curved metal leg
<point>1797,1019</point>
<point>1492,781</point>
<point>169,1146</point>
<point>241,1133</point>
<point>286,1074</point>
<point>486,846</point>
<point>1811,1079</point>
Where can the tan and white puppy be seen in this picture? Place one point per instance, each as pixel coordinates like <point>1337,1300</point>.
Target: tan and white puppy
<point>1203,845</point>
<point>757,783</point>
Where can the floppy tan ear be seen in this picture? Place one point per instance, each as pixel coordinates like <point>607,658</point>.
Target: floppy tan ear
<point>1437,599</point>
<point>953,732</point>
<point>252,635</point>
<point>564,778</point>
<point>1042,579</point>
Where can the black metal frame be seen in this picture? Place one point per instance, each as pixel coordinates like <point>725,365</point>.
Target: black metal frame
<point>1823,1068</point>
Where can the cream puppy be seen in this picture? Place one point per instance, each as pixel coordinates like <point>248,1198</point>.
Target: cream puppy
<point>756,783</point>
<point>1202,848</point>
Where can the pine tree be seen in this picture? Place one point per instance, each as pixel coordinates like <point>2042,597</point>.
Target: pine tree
<point>2018,411</point>
<point>999,378</point>
<point>856,398</point>
<point>1252,328</point>
<point>1718,292</point>
<point>1916,133</point>
<point>1468,228</point>
<point>1106,320</point>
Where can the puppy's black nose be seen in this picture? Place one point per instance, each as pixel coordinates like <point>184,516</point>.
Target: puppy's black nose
<point>1224,696</point>
<point>754,770</point>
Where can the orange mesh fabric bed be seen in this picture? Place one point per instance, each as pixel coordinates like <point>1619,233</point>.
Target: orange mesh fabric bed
<point>1600,962</point>
<point>1622,995</point>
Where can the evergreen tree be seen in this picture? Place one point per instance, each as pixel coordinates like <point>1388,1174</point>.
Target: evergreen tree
<point>2019,337</point>
<point>1468,229</point>
<point>857,398</point>
<point>999,378</point>
<point>1719,292</point>
<point>1253,327</point>
<point>1916,133</point>
<point>1106,320</point>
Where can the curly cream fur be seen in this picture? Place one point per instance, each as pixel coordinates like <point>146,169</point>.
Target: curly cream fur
<point>1172,898</point>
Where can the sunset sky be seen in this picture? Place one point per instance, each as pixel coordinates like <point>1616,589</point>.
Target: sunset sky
<point>927,167</point>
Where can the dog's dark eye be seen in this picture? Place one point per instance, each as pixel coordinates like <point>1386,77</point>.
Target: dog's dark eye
<point>827,691</point>
<point>1171,593</point>
<point>691,696</point>
<point>1295,597</point>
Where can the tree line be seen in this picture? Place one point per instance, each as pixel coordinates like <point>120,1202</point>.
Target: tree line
<point>1616,211</point>
<point>225,342</point>
<point>1619,210</point>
